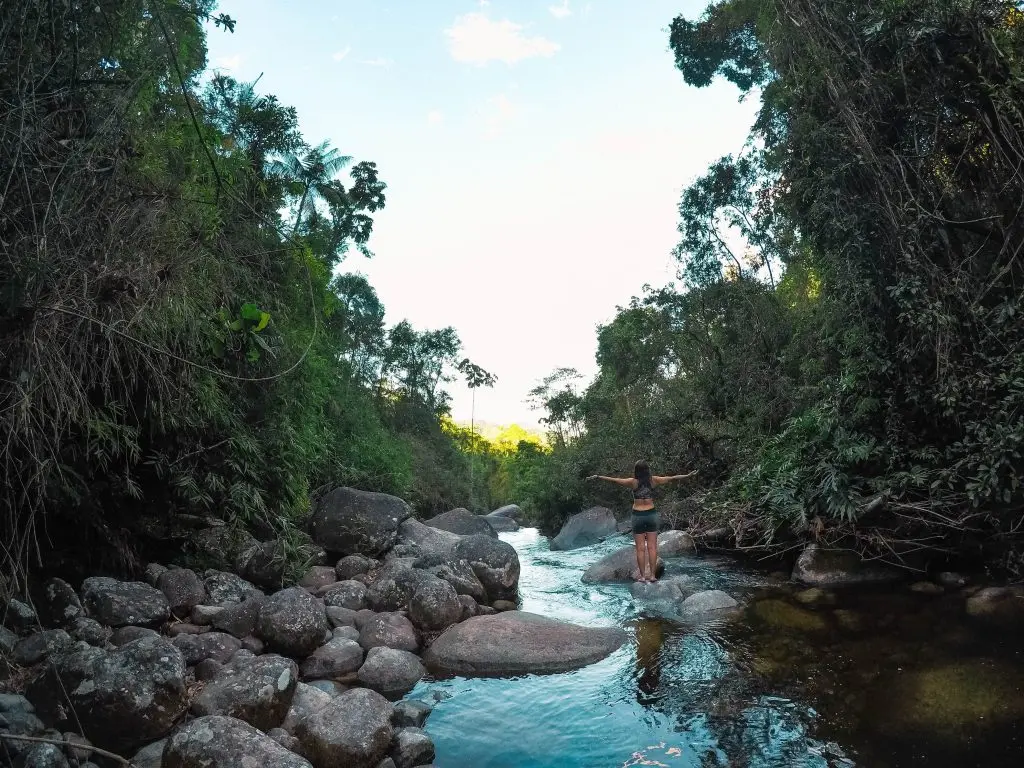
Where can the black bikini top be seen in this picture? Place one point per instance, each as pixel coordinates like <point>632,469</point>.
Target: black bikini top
<point>644,490</point>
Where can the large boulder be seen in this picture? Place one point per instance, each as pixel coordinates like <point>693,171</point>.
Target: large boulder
<point>346,521</point>
<point>462,522</point>
<point>435,605</point>
<point>511,511</point>
<point>216,741</point>
<point>502,524</point>
<point>264,563</point>
<point>390,630</point>
<point>516,643</point>
<point>391,672</point>
<point>411,747</point>
<point>257,690</point>
<point>122,603</point>
<point>122,699</point>
<point>585,528</point>
<point>353,730</point>
<point>494,562</point>
<point>425,539</point>
<point>821,567</point>
<point>336,658</point>
<point>458,573</point>
<point>620,565</point>
<point>292,622</point>
<point>305,702</point>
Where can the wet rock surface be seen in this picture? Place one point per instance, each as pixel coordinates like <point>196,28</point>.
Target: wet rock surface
<point>584,528</point>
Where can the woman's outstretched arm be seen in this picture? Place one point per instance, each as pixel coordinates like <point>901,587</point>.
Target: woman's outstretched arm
<point>660,479</point>
<point>627,481</point>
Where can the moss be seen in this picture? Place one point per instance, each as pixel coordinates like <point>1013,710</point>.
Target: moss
<point>781,614</point>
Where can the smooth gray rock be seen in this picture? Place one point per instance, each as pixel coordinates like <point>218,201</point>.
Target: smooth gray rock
<point>585,528</point>
<point>292,622</point>
<point>391,672</point>
<point>411,713</point>
<point>183,589</point>
<point>821,567</point>
<point>462,522</point>
<point>435,605</point>
<point>458,573</point>
<point>60,604</point>
<point>708,601</point>
<point>124,635</point>
<point>390,630</point>
<point>620,565</point>
<point>306,701</point>
<point>345,633</point>
<point>285,739</point>
<point>337,658</point>
<point>226,588</point>
<point>257,690</point>
<point>353,730</point>
<point>469,607</point>
<point>411,747</point>
<point>150,756</point>
<point>340,617</point>
<point>495,564</point>
<point>663,590</point>
<point>331,687</point>
<point>513,511</point>
<point>122,603</point>
<point>502,524</point>
<point>347,521</point>
<point>217,741</point>
<point>425,539</point>
<point>516,642</point>
<point>218,646</point>
<point>346,594</point>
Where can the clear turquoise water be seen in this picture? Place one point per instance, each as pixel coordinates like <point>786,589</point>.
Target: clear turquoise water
<point>674,695</point>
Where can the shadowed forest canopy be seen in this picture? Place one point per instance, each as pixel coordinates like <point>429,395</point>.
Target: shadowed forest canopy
<point>843,355</point>
<point>177,343</point>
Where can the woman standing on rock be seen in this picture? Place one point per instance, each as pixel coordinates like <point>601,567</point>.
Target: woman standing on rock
<point>645,516</point>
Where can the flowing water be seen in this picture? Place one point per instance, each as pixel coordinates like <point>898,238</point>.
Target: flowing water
<point>885,679</point>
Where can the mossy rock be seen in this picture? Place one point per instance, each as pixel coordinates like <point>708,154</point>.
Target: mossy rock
<point>951,697</point>
<point>782,615</point>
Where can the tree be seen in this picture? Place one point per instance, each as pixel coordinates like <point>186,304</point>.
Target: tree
<point>475,377</point>
<point>310,177</point>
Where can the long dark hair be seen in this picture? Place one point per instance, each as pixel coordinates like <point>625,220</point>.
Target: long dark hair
<point>642,472</point>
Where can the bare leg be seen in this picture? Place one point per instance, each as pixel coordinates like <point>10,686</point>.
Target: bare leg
<point>641,555</point>
<point>652,553</point>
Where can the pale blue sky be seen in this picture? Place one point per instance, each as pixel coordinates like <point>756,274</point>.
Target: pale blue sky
<point>534,152</point>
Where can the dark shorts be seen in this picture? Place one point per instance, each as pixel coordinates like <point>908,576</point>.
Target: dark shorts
<point>646,521</point>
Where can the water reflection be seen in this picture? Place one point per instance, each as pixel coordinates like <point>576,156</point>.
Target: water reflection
<point>649,636</point>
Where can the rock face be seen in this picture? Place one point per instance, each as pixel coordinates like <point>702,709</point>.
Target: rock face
<point>123,699</point>
<point>353,730</point>
<point>515,642</point>
<point>494,562</point>
<point>224,742</point>
<point>820,567</point>
<point>585,528</point>
<point>292,622</point>
<point>257,690</point>
<point>391,672</point>
<point>122,603</point>
<point>347,521</point>
<point>462,522</point>
<point>426,540</point>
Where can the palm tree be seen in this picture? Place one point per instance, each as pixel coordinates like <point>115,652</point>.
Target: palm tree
<point>313,173</point>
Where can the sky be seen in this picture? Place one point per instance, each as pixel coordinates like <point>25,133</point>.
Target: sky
<point>534,151</point>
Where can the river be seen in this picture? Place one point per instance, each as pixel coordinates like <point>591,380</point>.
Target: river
<point>891,678</point>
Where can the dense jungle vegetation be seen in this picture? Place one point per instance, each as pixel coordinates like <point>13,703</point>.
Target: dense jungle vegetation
<point>178,342</point>
<point>842,357</point>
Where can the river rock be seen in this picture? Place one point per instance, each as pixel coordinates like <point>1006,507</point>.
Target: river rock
<point>675,544</point>
<point>239,619</point>
<point>513,511</point>
<point>347,521</point>
<point>8,640</point>
<point>665,590</point>
<point>123,699</point>
<point>346,594</point>
<point>45,756</point>
<point>815,596</point>
<point>257,690</point>
<point>221,544</point>
<point>620,565</point>
<point>435,605</point>
<point>516,642</point>
<point>353,565</point>
<point>336,658</point>
<point>502,524</point>
<point>394,586</point>
<point>708,601</point>
<point>218,646</point>
<point>34,648</point>
<point>390,630</point>
<point>217,741</point>
<point>60,605</point>
<point>227,589</point>
<point>19,617</point>
<point>340,617</point>
<point>458,573</point>
<point>1000,605</point>
<point>183,589</point>
<point>411,713</point>
<point>292,622</point>
<point>124,635</point>
<point>585,528</point>
<point>391,672</point>
<point>121,603</point>
<point>263,563</point>
<point>317,577</point>
<point>411,747</point>
<point>150,756</point>
<point>203,615</point>
<point>353,730</point>
<point>425,539</point>
<point>820,567</point>
<point>469,607</point>
<point>345,633</point>
<point>462,522</point>
<point>494,562</point>
<point>90,631</point>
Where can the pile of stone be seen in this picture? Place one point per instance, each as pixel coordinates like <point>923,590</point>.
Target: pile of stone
<point>190,669</point>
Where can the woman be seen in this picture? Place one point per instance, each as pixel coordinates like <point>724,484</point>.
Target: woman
<point>645,516</point>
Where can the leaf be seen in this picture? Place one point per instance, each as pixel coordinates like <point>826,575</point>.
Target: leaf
<point>251,312</point>
<point>253,355</point>
<point>264,319</point>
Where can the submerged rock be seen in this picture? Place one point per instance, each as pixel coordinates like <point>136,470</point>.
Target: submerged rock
<point>782,615</point>
<point>462,522</point>
<point>585,528</point>
<point>411,747</point>
<point>708,601</point>
<point>347,521</point>
<point>516,642</point>
<point>999,605</point>
<point>820,567</point>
